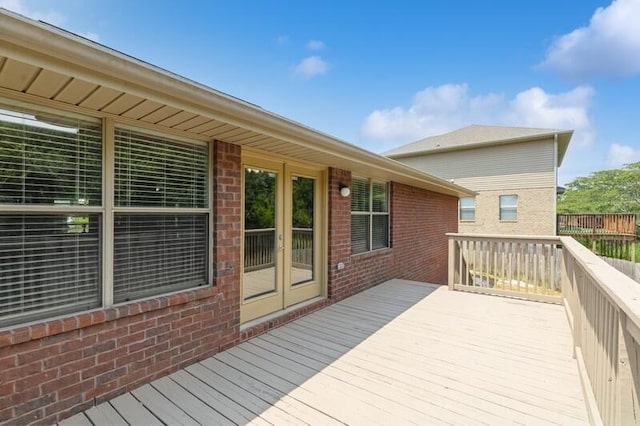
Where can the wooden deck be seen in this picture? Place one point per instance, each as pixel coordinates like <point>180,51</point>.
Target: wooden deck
<point>400,353</point>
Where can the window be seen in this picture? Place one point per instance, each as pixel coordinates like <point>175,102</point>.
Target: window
<point>53,238</point>
<point>508,207</point>
<point>369,215</point>
<point>160,215</point>
<point>468,208</point>
<point>50,214</point>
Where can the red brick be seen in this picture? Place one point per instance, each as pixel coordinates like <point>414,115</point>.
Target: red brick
<point>33,381</point>
<point>38,354</point>
<point>54,327</point>
<point>97,370</point>
<point>63,358</point>
<point>38,331</point>
<point>79,365</point>
<point>22,371</point>
<point>60,383</point>
<point>21,335</point>
<point>8,362</point>
<point>7,389</point>
<point>77,389</point>
<point>6,339</point>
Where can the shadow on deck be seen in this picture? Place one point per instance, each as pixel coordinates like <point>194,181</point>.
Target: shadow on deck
<point>400,353</point>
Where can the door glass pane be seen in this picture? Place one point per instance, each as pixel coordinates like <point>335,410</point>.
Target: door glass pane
<point>302,193</point>
<point>260,242</point>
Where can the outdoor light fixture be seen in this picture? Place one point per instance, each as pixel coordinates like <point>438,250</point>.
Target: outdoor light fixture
<point>344,190</point>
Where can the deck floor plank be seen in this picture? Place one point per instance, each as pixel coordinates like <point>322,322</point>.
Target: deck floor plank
<point>133,412</point>
<point>164,409</point>
<point>400,353</point>
<point>79,419</point>
<point>105,414</point>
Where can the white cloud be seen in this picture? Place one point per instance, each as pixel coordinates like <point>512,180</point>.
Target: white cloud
<point>620,155</point>
<point>311,67</point>
<point>18,6</point>
<point>434,110</point>
<point>536,108</point>
<point>609,45</point>
<point>315,45</point>
<point>439,109</point>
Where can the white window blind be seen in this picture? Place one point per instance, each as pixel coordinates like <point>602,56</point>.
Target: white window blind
<point>369,215</point>
<point>46,159</point>
<point>468,208</point>
<point>162,251</point>
<point>158,172</point>
<point>157,254</point>
<point>508,207</point>
<point>51,177</point>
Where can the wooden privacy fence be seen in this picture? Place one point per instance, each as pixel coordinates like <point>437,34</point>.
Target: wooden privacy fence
<point>598,225</point>
<point>602,306</point>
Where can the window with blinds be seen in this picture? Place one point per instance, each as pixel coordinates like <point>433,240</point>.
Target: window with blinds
<point>468,208</point>
<point>159,251</point>
<point>50,228</point>
<point>369,215</point>
<point>52,214</point>
<point>509,207</point>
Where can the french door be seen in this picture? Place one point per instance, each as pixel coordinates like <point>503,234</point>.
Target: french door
<point>283,236</point>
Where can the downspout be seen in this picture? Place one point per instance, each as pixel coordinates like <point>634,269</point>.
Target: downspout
<point>555,179</point>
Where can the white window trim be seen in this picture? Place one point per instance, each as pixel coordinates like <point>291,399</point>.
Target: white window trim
<point>371,214</point>
<point>107,209</point>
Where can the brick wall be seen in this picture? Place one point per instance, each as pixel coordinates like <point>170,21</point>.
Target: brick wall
<point>420,220</point>
<point>536,213</point>
<point>53,369</point>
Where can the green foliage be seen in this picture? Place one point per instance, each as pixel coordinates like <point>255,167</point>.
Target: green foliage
<point>260,199</point>
<point>604,191</point>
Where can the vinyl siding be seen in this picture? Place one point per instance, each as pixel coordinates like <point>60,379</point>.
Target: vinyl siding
<point>512,166</point>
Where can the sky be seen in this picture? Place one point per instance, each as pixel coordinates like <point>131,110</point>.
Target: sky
<point>381,74</point>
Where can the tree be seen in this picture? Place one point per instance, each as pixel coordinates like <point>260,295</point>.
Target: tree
<point>604,191</point>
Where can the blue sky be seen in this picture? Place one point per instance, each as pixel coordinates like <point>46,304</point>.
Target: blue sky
<point>382,74</point>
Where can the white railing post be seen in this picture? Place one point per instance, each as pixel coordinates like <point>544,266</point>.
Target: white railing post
<point>452,262</point>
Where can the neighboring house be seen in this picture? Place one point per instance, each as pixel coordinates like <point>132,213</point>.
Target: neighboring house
<point>148,222</point>
<point>512,169</point>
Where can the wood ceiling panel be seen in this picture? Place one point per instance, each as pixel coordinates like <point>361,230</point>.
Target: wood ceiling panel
<point>142,109</point>
<point>122,104</point>
<point>192,123</point>
<point>99,98</point>
<point>47,84</point>
<point>174,120</point>
<point>76,91</point>
<point>17,75</point>
<point>160,114</point>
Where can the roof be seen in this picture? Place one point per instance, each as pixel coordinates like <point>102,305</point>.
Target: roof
<point>475,136</point>
<point>48,65</point>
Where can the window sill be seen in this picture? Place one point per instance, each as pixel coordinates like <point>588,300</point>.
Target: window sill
<point>372,252</point>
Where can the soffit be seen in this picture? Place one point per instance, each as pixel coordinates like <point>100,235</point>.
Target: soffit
<point>90,78</point>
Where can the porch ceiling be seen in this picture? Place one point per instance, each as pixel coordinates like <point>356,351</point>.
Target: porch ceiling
<point>54,67</point>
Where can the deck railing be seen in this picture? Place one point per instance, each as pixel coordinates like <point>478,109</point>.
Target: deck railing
<point>597,225</point>
<point>602,306</point>
<point>259,248</point>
